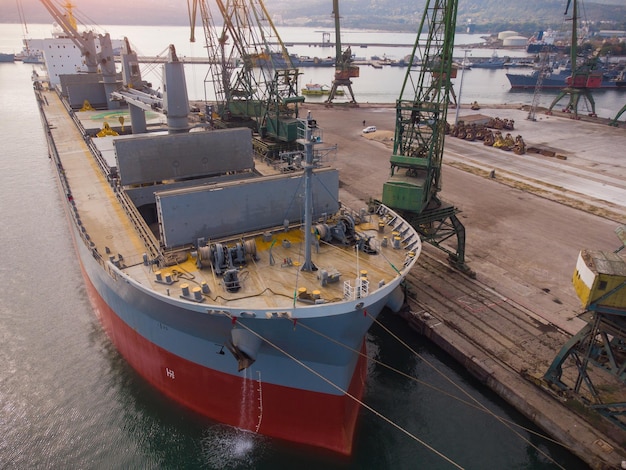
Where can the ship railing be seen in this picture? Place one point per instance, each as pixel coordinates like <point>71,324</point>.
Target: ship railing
<point>150,243</point>
<point>359,290</point>
<point>144,233</point>
<point>88,140</point>
<point>325,155</point>
<point>54,155</point>
<point>113,262</point>
<point>98,156</point>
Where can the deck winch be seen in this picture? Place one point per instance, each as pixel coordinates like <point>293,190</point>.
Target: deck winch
<point>223,258</point>
<point>344,232</point>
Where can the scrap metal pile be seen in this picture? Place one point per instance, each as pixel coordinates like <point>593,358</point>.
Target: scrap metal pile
<point>491,134</point>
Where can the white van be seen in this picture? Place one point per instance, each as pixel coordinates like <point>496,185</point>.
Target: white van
<point>369,129</point>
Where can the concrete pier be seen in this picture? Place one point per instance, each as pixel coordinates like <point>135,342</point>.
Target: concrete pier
<point>526,219</point>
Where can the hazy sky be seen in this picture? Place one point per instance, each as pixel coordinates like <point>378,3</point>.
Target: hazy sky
<point>146,11</point>
<point>98,10</point>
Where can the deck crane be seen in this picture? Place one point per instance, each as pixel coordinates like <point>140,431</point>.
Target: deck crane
<point>344,70</point>
<point>421,112</point>
<point>584,77</point>
<point>255,81</point>
<point>222,62</point>
<point>102,58</point>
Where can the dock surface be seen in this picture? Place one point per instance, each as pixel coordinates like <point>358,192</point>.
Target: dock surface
<point>524,230</point>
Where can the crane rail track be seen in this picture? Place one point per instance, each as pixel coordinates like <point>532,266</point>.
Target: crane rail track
<point>509,333</point>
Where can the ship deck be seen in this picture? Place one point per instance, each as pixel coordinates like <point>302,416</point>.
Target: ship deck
<point>104,220</point>
<point>271,281</point>
<point>275,279</point>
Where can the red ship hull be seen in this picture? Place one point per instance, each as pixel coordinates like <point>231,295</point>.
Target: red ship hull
<point>301,416</point>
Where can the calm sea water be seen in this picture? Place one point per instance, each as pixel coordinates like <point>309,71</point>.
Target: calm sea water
<point>67,399</point>
<point>373,86</point>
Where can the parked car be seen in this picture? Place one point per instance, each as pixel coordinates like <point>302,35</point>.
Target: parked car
<point>369,129</point>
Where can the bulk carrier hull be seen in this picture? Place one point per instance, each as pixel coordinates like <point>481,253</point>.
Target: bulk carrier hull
<point>234,327</point>
<point>191,370</point>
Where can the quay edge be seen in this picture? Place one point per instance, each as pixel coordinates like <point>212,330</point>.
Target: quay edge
<point>595,447</point>
<point>535,284</point>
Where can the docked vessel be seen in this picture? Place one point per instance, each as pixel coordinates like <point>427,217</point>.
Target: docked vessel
<point>235,287</point>
<point>306,61</point>
<point>494,62</point>
<point>557,80</point>
<point>544,41</point>
<point>6,57</point>
<point>580,73</point>
<point>295,60</point>
<point>316,89</point>
<point>28,55</point>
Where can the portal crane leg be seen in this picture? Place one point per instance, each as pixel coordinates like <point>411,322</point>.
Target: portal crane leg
<point>344,70</point>
<point>333,91</point>
<point>614,122</point>
<point>599,347</point>
<point>436,226</point>
<point>574,97</point>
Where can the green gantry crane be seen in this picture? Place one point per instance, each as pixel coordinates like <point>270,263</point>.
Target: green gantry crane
<point>584,77</point>
<point>344,69</point>
<point>615,121</point>
<point>253,76</point>
<point>421,120</point>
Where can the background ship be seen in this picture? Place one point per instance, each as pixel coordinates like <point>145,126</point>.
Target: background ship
<point>240,288</point>
<point>279,60</point>
<point>6,57</point>
<point>558,80</point>
<point>581,73</point>
<point>316,89</point>
<point>494,62</point>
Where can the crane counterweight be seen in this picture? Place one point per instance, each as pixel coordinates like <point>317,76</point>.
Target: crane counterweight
<point>421,119</point>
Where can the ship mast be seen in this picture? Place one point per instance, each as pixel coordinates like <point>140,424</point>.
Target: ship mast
<point>310,139</point>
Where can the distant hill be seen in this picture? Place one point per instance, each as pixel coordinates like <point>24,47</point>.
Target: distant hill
<point>487,16</point>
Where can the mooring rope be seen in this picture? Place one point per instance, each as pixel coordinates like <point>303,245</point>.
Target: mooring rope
<point>478,404</point>
<point>478,407</point>
<point>345,392</point>
<point>474,403</point>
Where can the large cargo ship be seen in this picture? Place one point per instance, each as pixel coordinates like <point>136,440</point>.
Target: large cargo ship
<point>240,288</point>
<point>579,73</point>
<point>557,80</point>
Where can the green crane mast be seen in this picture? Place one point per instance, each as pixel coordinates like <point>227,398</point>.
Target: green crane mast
<point>584,76</point>
<point>254,79</point>
<point>421,120</point>
<point>344,70</point>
